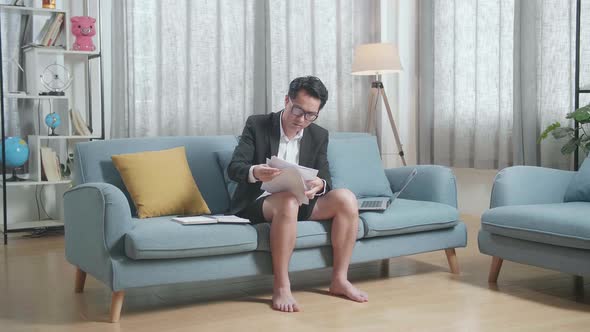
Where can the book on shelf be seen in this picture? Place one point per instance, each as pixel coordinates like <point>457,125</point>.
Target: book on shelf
<point>210,219</point>
<point>52,34</point>
<point>50,168</point>
<point>80,127</point>
<point>50,31</point>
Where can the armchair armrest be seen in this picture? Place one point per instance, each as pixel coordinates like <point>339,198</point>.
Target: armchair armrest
<point>522,185</point>
<point>97,217</point>
<point>432,183</point>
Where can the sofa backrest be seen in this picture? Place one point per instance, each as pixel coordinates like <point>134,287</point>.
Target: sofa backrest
<point>93,163</point>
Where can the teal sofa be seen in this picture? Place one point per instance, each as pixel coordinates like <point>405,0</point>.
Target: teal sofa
<point>104,238</point>
<point>538,217</point>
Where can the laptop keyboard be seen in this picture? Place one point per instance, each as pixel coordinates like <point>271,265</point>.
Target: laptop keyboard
<point>370,204</point>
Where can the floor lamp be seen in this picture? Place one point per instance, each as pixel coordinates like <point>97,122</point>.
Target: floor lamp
<point>378,59</point>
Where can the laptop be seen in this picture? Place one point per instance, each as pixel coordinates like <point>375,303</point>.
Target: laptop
<point>381,203</point>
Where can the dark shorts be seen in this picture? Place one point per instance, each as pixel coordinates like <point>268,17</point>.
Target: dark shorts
<point>255,214</point>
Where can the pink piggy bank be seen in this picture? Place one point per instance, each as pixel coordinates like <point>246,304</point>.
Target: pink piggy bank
<point>83,29</point>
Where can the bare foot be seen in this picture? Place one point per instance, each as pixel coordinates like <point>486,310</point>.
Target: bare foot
<point>345,288</point>
<point>283,300</point>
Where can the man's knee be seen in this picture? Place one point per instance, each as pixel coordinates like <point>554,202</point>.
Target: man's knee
<point>346,201</point>
<point>285,204</point>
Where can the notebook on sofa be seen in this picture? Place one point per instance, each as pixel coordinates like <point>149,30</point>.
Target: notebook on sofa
<point>381,203</point>
<point>210,219</point>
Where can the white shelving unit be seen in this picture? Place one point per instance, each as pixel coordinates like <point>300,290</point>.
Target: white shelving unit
<point>34,10</point>
<point>26,225</point>
<point>33,107</point>
<point>20,96</point>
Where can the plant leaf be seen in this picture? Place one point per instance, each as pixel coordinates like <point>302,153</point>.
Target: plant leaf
<point>585,108</point>
<point>562,132</point>
<point>549,129</point>
<point>582,114</point>
<point>570,146</point>
<point>585,143</point>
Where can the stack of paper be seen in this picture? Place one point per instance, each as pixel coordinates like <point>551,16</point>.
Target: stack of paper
<point>292,179</point>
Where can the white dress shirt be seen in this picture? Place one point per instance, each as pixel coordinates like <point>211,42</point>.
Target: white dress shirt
<point>288,150</point>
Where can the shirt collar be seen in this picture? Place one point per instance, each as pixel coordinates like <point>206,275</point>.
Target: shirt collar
<point>284,137</point>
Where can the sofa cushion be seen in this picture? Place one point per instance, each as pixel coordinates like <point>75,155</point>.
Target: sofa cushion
<point>355,164</point>
<point>562,224</point>
<point>160,183</point>
<point>579,188</point>
<point>310,234</point>
<point>223,159</point>
<point>161,238</point>
<point>407,216</point>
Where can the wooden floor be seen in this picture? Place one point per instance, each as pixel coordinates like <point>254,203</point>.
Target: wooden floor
<point>37,294</point>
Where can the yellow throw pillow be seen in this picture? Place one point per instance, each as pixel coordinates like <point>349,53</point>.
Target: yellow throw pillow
<point>160,183</point>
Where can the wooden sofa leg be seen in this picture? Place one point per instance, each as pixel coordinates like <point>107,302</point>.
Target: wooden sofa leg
<point>452,258</point>
<point>80,280</point>
<point>579,282</point>
<point>116,305</point>
<point>495,269</point>
<point>385,267</point>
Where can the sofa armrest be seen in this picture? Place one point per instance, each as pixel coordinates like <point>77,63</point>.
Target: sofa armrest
<point>523,185</point>
<point>97,217</point>
<point>432,183</point>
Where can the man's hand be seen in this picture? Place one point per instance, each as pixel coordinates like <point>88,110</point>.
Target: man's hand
<point>265,173</point>
<point>315,186</point>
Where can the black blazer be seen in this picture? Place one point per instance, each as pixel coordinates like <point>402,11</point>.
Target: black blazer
<point>260,140</point>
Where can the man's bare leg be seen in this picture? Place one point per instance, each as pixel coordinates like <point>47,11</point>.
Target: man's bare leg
<point>281,209</point>
<point>341,206</point>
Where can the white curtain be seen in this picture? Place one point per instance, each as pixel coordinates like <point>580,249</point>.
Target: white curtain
<point>184,67</point>
<point>318,38</point>
<point>493,75</point>
<point>201,67</point>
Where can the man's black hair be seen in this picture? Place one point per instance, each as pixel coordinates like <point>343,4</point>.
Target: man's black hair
<point>312,85</point>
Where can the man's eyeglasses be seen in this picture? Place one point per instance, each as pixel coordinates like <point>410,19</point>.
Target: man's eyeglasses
<point>309,116</point>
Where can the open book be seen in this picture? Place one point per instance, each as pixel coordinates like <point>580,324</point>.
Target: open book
<point>80,127</point>
<point>50,168</point>
<point>210,219</point>
<point>291,179</point>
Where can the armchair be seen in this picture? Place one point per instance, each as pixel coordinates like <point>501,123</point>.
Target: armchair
<point>529,222</point>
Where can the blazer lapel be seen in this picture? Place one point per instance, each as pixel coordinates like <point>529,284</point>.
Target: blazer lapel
<point>275,134</point>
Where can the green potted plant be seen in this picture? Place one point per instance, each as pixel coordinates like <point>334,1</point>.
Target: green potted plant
<point>582,115</point>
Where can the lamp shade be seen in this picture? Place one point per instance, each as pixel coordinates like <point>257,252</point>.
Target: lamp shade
<point>376,59</point>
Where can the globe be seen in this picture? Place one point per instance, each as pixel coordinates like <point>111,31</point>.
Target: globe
<point>17,152</point>
<point>52,120</point>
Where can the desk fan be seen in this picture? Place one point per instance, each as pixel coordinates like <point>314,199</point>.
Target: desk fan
<point>55,78</point>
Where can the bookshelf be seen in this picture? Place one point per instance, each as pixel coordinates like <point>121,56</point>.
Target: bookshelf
<point>30,105</point>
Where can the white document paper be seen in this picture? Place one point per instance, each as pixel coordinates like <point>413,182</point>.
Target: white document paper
<point>306,172</point>
<point>195,220</point>
<point>292,179</point>
<point>210,219</point>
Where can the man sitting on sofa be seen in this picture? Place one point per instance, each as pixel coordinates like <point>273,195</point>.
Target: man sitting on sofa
<point>291,135</point>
